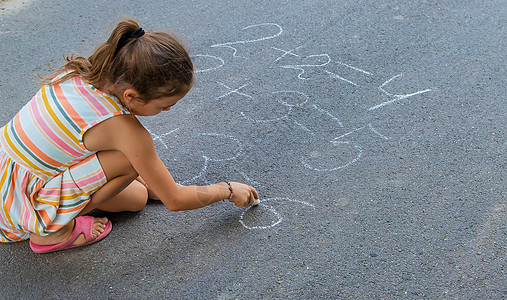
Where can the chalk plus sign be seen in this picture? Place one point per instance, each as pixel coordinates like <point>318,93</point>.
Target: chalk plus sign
<point>286,52</point>
<point>231,91</point>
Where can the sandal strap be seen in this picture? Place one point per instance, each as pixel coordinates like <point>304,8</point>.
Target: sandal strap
<point>79,228</point>
<point>84,225</point>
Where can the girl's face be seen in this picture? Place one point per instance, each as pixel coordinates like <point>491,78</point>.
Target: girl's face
<point>152,107</point>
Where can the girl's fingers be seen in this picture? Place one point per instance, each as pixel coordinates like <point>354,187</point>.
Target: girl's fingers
<point>254,192</point>
<point>250,199</point>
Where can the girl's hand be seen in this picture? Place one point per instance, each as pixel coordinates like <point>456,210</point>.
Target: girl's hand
<point>244,195</point>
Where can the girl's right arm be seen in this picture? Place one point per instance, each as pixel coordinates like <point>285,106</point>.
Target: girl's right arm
<point>125,134</point>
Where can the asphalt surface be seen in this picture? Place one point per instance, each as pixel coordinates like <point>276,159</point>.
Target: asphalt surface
<point>374,132</point>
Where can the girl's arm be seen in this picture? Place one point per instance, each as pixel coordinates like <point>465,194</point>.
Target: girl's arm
<point>127,135</point>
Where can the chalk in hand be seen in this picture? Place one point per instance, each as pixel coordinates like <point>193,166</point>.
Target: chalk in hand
<point>256,202</point>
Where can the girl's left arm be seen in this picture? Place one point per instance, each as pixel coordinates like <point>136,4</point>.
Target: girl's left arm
<point>135,142</point>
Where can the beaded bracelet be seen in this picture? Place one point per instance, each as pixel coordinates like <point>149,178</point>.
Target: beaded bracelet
<point>230,189</point>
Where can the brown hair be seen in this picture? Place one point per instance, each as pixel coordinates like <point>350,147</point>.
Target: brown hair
<point>155,64</point>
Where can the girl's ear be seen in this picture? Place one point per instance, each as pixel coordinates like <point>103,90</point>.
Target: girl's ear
<point>130,94</point>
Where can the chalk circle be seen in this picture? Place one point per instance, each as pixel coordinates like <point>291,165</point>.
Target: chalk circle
<point>277,218</point>
<point>209,62</point>
<point>262,38</point>
<point>201,149</point>
<point>332,156</point>
<point>199,175</point>
<point>290,98</point>
<point>227,147</point>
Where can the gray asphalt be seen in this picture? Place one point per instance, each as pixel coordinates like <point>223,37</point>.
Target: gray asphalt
<point>374,132</point>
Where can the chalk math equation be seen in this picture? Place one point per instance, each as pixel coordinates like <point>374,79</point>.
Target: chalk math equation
<point>291,106</point>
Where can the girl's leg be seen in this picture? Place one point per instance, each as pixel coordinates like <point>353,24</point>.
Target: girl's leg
<point>151,194</point>
<point>120,174</point>
<point>132,198</point>
<point>121,192</point>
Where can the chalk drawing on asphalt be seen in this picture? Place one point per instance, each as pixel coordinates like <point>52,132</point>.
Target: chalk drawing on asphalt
<point>396,97</point>
<point>238,151</point>
<point>215,62</point>
<point>247,41</point>
<point>271,209</point>
<point>334,153</point>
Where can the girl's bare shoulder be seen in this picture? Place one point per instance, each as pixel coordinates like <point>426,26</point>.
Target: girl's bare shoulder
<point>114,132</point>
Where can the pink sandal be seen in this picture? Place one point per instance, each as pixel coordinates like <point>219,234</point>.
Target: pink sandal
<point>83,225</point>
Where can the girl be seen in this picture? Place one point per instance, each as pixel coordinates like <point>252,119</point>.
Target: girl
<point>77,145</point>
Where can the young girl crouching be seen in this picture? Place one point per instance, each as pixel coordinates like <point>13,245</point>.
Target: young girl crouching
<point>78,146</point>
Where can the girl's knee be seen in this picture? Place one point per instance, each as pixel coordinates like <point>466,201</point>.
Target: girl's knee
<point>138,197</point>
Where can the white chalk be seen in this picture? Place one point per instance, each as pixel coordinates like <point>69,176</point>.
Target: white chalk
<point>256,202</point>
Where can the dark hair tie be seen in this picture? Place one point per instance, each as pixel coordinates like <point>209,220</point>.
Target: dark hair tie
<point>124,39</point>
<point>138,33</point>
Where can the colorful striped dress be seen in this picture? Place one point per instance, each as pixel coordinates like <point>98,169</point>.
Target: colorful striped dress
<point>46,174</point>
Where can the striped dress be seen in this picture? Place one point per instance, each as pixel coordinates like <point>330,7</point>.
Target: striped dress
<point>46,174</point>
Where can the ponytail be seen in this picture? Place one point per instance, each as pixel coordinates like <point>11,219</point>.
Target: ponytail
<point>155,63</point>
<point>102,60</point>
